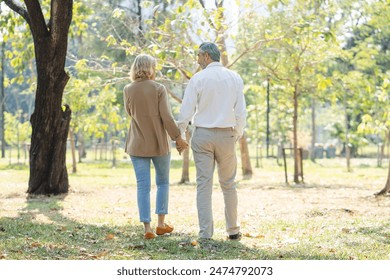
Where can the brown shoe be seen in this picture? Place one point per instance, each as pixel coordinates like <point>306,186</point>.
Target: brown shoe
<point>149,235</point>
<point>164,230</point>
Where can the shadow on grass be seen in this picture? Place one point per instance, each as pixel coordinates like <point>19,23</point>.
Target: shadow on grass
<point>42,231</point>
<point>15,166</point>
<point>381,234</point>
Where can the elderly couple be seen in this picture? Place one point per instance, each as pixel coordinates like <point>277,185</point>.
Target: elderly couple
<point>214,103</point>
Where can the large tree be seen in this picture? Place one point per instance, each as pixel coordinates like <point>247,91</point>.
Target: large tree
<point>50,120</point>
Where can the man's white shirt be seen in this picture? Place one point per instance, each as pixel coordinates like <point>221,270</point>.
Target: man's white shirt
<point>214,99</point>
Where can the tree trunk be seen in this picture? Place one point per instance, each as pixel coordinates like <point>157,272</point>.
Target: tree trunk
<point>245,160</point>
<point>2,102</point>
<point>347,147</point>
<point>386,189</point>
<point>81,146</point>
<point>185,173</point>
<point>295,136</point>
<point>18,139</point>
<point>113,146</point>
<point>73,148</point>
<point>268,133</point>
<point>313,130</point>
<point>50,121</point>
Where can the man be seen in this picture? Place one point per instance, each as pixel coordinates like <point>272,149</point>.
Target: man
<point>215,105</point>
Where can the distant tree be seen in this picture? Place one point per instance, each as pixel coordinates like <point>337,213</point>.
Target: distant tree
<point>292,61</point>
<point>50,120</point>
<point>2,100</point>
<point>17,131</point>
<point>16,53</point>
<point>366,65</point>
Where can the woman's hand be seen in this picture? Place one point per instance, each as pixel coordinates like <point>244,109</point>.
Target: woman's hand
<point>181,144</point>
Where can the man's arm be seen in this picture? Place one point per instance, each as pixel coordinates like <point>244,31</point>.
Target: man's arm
<point>240,110</point>
<point>188,106</point>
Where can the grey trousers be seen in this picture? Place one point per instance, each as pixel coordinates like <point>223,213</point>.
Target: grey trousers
<point>215,146</point>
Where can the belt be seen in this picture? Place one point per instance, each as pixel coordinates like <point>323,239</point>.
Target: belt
<point>217,128</point>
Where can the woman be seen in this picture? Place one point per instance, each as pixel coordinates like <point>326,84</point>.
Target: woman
<point>146,102</point>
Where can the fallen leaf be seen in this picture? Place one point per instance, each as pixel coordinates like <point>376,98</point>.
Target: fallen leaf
<point>35,244</point>
<point>254,236</point>
<point>110,236</point>
<point>102,254</point>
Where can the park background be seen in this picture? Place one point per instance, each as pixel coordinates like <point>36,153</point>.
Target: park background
<point>313,160</point>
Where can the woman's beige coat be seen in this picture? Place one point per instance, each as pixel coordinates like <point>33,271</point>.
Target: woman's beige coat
<point>146,102</point>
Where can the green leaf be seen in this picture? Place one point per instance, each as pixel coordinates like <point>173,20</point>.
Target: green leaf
<point>111,40</point>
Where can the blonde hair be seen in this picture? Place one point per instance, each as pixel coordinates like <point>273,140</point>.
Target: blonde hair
<point>143,67</point>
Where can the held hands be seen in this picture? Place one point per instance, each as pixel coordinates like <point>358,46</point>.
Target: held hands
<point>181,145</point>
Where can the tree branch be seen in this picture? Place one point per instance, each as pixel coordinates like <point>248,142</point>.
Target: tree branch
<point>18,8</point>
<point>208,18</point>
<point>60,18</point>
<point>256,46</point>
<point>178,99</point>
<point>275,74</point>
<point>184,73</point>
<point>37,20</point>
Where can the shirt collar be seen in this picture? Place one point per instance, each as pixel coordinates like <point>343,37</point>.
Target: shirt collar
<point>215,63</point>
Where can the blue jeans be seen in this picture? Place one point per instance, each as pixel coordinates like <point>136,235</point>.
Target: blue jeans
<point>142,173</point>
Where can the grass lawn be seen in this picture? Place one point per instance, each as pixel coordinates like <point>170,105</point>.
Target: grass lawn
<point>333,216</point>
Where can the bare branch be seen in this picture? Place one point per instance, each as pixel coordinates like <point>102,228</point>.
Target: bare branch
<point>18,8</point>
<point>275,74</point>
<point>184,73</point>
<point>178,99</point>
<point>256,46</point>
